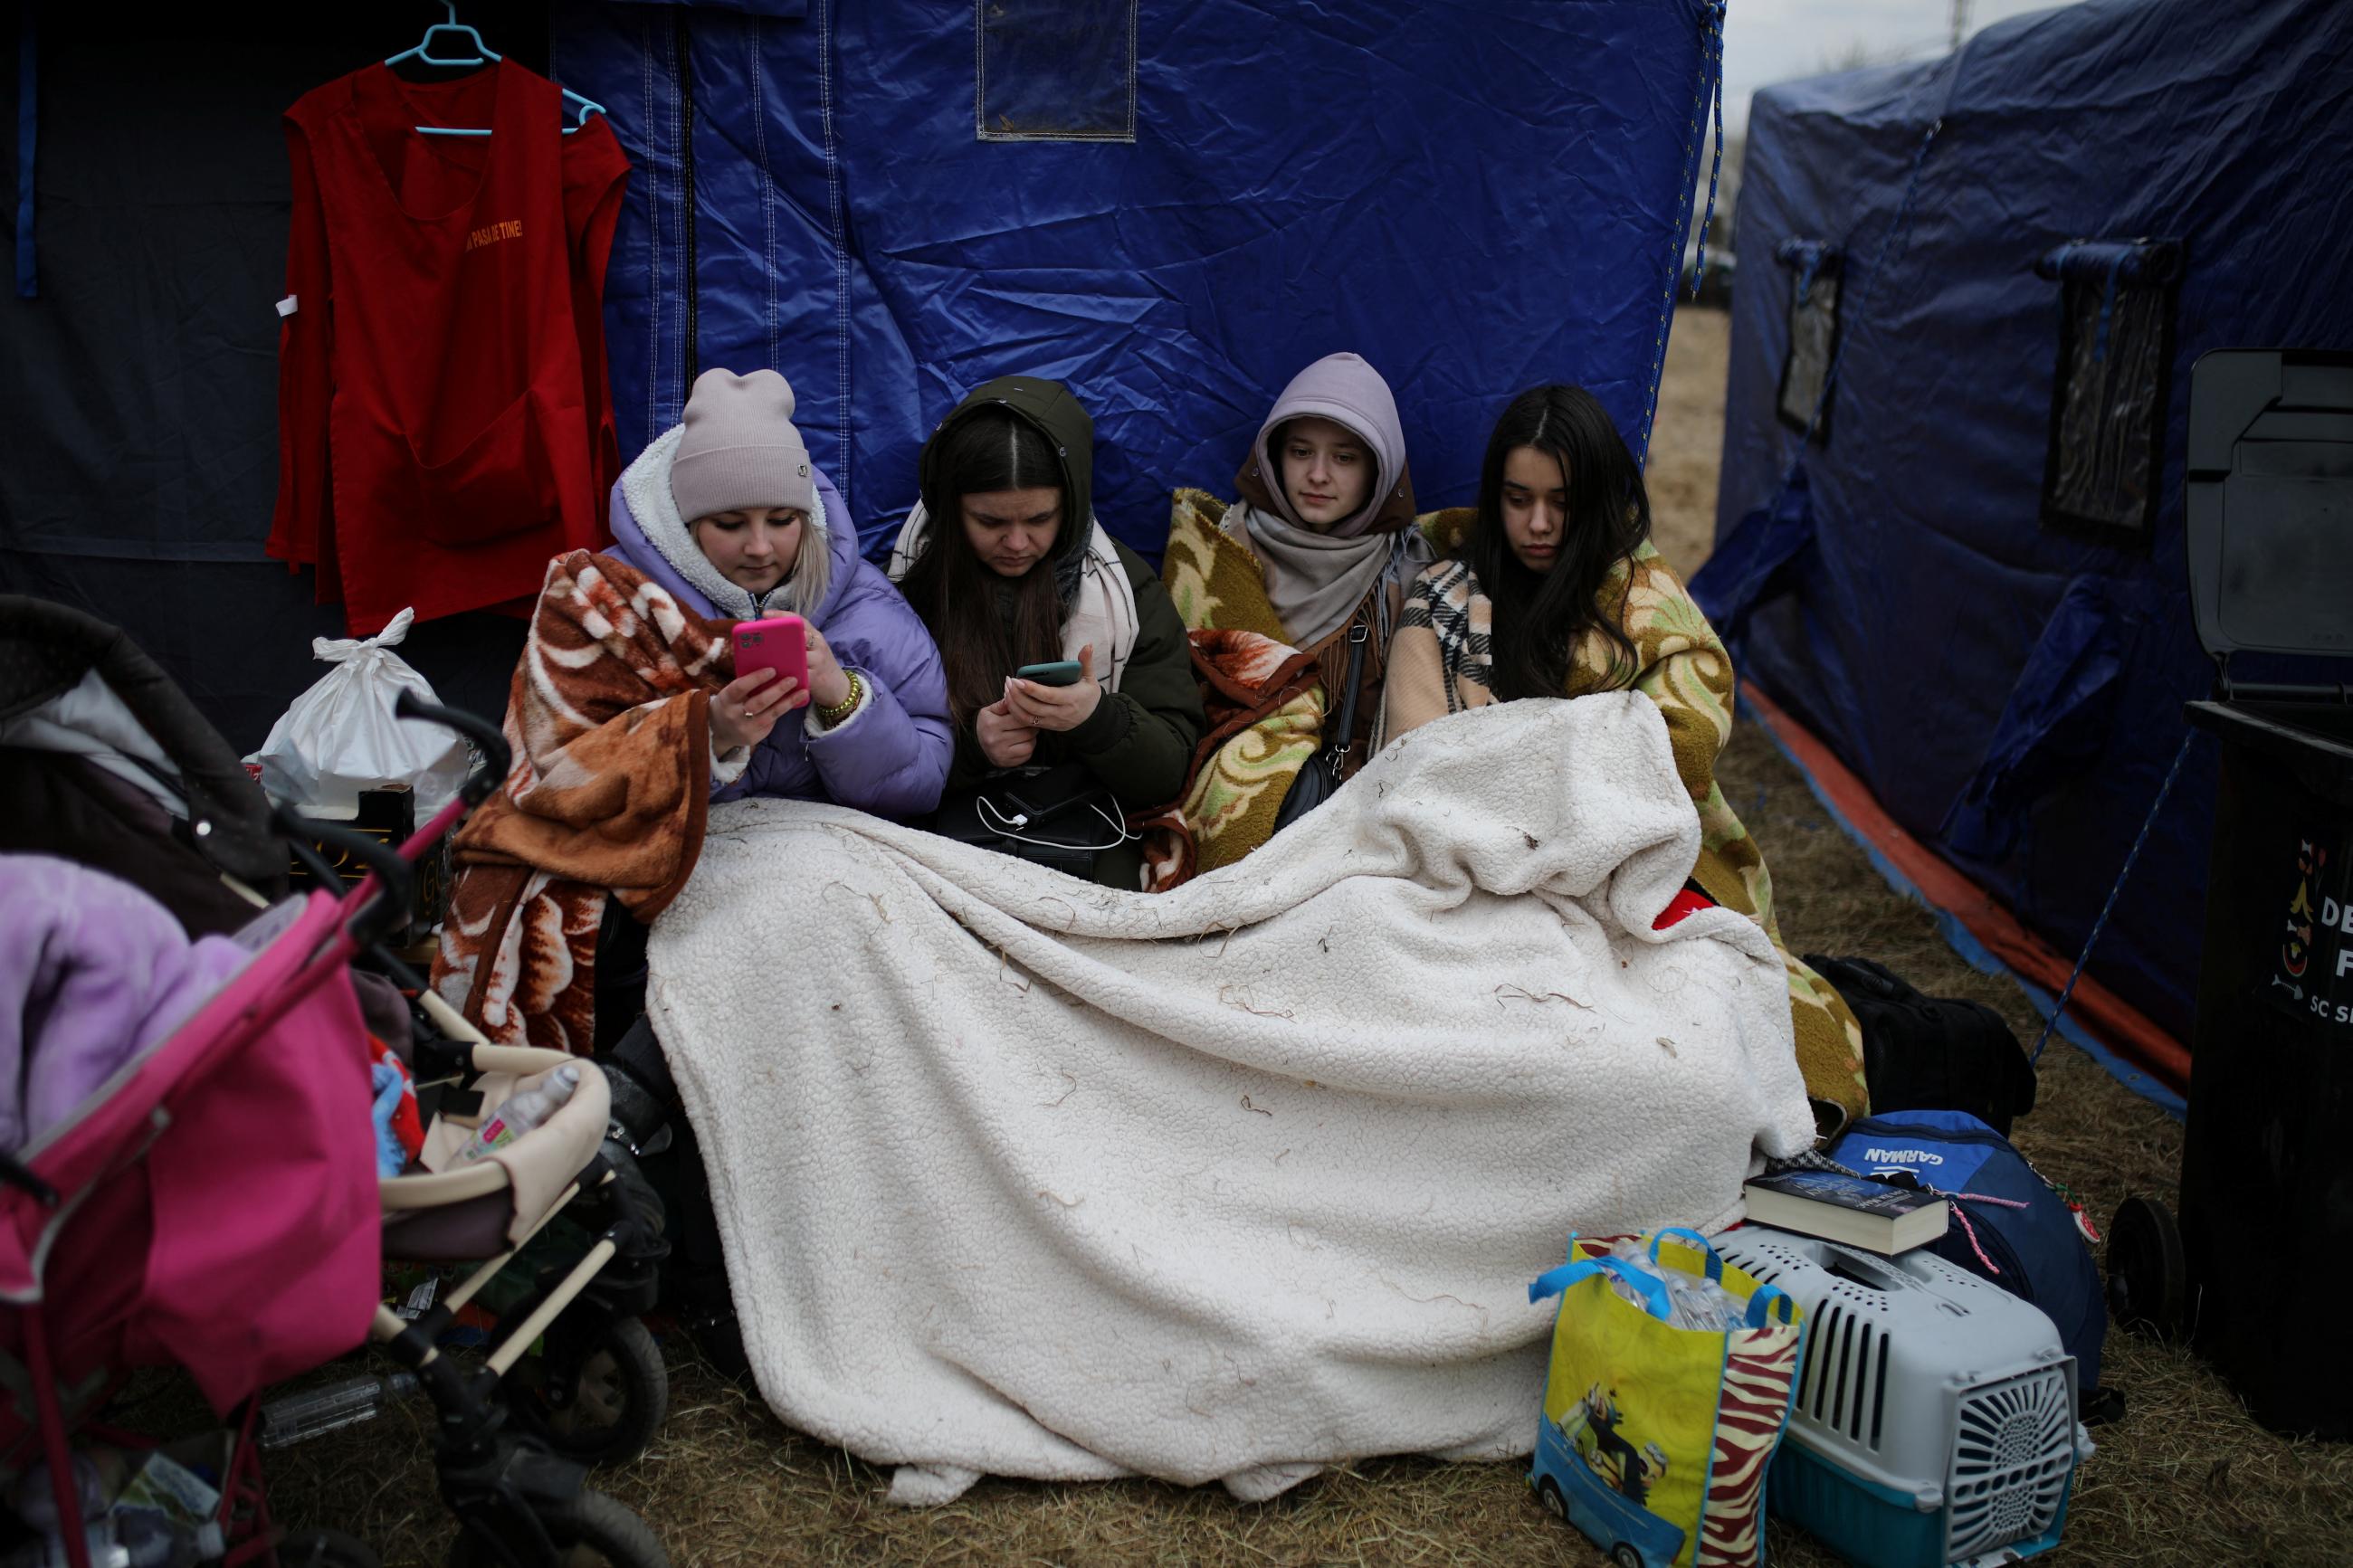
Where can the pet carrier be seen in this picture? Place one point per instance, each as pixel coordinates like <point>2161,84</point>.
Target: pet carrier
<point>1934,1420</point>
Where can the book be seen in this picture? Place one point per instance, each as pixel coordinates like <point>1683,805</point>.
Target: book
<point>1874,1215</point>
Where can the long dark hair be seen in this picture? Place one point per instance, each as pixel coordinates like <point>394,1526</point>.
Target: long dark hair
<point>1539,619</point>
<point>982,637</point>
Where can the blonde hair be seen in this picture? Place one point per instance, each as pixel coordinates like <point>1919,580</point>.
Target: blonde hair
<point>812,572</point>
<point>804,587</point>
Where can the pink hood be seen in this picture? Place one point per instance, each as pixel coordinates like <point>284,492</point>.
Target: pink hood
<point>1347,391</point>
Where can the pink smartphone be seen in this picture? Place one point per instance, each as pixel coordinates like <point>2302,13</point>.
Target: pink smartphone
<point>779,643</point>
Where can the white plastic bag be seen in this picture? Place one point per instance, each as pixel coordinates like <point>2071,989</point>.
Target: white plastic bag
<point>340,737</point>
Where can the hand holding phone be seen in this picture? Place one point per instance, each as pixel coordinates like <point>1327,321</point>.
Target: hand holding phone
<point>1004,739</point>
<point>779,643</point>
<point>771,680</point>
<point>1059,696</point>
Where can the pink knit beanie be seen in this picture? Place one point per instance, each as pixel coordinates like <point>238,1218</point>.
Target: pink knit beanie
<point>740,449</point>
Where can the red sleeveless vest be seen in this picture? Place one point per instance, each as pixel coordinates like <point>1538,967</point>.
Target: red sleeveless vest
<point>445,418</point>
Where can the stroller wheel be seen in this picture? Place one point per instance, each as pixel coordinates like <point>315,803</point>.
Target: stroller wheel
<point>2147,1270</point>
<point>597,1394</point>
<point>588,1527</point>
<point>326,1549</point>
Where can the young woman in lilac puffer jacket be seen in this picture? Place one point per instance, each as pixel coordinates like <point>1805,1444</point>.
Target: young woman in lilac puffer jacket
<point>726,511</point>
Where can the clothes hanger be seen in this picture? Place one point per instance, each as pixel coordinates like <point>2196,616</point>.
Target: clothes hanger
<point>483,55</point>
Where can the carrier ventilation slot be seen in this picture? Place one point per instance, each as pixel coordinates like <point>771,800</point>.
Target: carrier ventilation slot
<point>2014,1450</point>
<point>1862,1376</point>
<point>1879,1392</point>
<point>1809,1370</point>
<point>1839,1377</point>
<point>1845,1360</point>
<point>1823,1352</point>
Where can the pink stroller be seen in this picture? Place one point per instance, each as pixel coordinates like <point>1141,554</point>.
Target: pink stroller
<point>214,1204</point>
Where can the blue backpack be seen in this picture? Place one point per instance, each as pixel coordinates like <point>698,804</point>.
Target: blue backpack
<point>2036,1252</point>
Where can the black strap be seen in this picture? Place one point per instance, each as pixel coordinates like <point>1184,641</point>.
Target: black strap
<point>1337,751</point>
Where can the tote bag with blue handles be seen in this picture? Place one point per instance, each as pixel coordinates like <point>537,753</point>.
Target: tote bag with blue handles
<point>1655,1439</point>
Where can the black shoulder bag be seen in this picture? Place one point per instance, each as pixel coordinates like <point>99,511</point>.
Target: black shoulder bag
<point>1319,776</point>
<point>1060,816</point>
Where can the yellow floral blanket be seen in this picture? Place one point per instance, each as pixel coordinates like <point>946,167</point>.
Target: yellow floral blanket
<point>1442,662</point>
<point>1218,586</point>
<point>1255,693</point>
<point>1238,789</point>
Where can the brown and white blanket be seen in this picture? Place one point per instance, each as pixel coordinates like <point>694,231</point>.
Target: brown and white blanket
<point>609,721</point>
<point>1240,781</point>
<point>1241,772</point>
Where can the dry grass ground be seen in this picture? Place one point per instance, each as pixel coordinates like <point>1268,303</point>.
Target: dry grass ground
<point>2184,1482</point>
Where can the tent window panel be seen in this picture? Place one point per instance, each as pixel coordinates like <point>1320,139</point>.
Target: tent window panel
<point>1814,341</point>
<point>2101,475</point>
<point>1054,70</point>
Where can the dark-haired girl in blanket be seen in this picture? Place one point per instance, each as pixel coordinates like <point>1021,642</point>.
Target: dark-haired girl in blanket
<point>1556,591</point>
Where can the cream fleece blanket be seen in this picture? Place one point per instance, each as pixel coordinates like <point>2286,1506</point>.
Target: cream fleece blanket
<point>1023,1176</point>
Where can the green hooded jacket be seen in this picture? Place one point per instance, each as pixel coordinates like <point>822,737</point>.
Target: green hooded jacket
<point>1140,739</point>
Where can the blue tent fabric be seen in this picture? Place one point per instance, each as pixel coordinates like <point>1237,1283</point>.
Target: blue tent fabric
<point>2059,719</point>
<point>1476,198</point>
<point>1756,560</point>
<point>2011,694</point>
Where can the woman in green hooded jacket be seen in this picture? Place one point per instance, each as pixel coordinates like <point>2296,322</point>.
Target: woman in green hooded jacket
<point>1006,564</point>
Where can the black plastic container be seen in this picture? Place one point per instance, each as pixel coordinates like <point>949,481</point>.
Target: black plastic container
<point>2267,1164</point>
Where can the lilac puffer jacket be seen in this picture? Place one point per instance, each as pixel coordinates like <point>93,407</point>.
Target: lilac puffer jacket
<point>93,972</point>
<point>890,758</point>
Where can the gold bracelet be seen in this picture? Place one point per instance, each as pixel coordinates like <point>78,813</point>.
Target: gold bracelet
<point>848,705</point>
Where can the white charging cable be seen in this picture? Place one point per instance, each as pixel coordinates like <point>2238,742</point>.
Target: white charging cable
<point>997,821</point>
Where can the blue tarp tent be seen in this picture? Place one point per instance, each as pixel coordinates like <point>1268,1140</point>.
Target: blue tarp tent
<point>1988,617</point>
<point>1171,204</point>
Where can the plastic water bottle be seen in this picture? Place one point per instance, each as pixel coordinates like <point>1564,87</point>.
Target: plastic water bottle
<point>520,1114</point>
<point>1694,1301</point>
<point>294,1418</point>
<point>1701,1303</point>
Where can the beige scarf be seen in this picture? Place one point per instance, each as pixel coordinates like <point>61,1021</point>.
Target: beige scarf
<point>1315,581</point>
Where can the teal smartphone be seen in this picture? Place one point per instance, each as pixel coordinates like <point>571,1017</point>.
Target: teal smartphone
<point>1061,672</point>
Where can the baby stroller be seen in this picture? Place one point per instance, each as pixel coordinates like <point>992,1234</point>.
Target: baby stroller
<point>214,1204</point>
